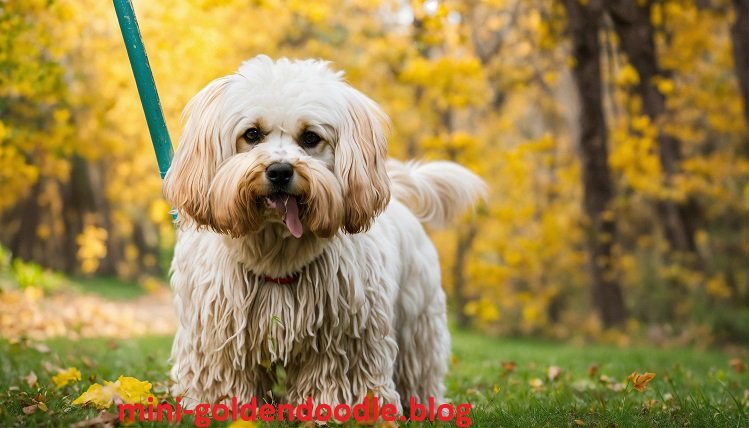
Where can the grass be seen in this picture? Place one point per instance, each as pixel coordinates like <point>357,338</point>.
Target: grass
<point>692,388</point>
<point>111,288</point>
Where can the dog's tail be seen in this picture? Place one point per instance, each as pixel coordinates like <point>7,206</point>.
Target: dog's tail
<point>436,192</point>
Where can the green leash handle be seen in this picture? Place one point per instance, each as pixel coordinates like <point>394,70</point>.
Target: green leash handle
<point>149,97</point>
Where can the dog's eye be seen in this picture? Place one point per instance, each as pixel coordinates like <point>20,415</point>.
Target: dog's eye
<point>253,135</point>
<point>310,139</point>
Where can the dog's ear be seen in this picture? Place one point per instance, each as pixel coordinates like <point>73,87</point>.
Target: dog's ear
<point>360,160</point>
<point>198,155</point>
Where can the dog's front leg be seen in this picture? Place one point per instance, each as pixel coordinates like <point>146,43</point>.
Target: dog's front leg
<point>320,375</point>
<point>347,377</point>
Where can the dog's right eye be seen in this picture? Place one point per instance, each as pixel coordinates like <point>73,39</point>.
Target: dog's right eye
<point>253,135</point>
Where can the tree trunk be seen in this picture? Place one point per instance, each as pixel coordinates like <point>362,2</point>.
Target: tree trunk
<point>636,34</point>
<point>465,242</point>
<point>584,23</point>
<point>63,208</point>
<point>740,39</point>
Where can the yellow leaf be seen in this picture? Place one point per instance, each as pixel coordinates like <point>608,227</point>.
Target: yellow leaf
<point>536,383</point>
<point>640,381</point>
<point>242,424</point>
<point>627,76</point>
<point>65,377</point>
<point>127,390</point>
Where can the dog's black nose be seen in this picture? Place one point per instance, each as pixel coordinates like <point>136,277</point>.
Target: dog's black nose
<point>279,173</point>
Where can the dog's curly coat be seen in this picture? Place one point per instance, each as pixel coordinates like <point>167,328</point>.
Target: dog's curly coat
<point>281,173</point>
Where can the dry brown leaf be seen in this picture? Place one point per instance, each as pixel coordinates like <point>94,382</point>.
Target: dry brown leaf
<point>592,370</point>
<point>41,347</point>
<point>31,379</point>
<point>553,373</point>
<point>30,410</point>
<point>509,366</point>
<point>105,419</point>
<point>86,361</point>
<point>737,365</point>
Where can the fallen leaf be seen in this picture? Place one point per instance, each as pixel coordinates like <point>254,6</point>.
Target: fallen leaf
<point>64,377</point>
<point>592,370</point>
<point>579,422</point>
<point>41,347</point>
<point>509,366</point>
<point>536,383</point>
<point>640,381</point>
<point>31,379</point>
<point>87,361</point>
<point>553,373</point>
<point>737,365</point>
<point>42,406</point>
<point>30,410</point>
<point>127,390</point>
<point>48,367</point>
<point>104,419</point>
<point>242,424</point>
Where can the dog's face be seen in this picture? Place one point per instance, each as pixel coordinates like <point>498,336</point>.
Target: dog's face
<point>285,143</point>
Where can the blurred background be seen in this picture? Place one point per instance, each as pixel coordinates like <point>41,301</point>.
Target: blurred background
<point>613,135</point>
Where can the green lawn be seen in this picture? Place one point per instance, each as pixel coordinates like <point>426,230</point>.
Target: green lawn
<point>692,388</point>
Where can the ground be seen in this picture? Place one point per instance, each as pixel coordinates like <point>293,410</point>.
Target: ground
<point>509,382</point>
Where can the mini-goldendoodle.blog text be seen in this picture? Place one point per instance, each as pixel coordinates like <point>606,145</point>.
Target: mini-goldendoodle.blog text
<point>369,410</point>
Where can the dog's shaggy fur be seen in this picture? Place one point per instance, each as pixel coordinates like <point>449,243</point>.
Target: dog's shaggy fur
<point>328,274</point>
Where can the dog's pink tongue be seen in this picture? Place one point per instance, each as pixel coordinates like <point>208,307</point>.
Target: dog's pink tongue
<point>287,206</point>
<point>292,218</point>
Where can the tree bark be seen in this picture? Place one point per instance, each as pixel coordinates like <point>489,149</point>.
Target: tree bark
<point>637,37</point>
<point>584,22</point>
<point>465,242</point>
<point>740,40</point>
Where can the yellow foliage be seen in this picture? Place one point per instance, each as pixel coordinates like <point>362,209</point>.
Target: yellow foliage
<point>65,377</point>
<point>91,247</point>
<point>507,114</point>
<point>127,390</point>
<point>627,76</point>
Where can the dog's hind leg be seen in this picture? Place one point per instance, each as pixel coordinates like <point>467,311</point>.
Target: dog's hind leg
<point>423,337</point>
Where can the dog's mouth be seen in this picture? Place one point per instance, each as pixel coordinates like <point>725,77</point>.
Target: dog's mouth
<point>287,206</point>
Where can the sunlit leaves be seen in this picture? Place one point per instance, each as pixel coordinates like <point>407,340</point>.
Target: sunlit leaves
<point>65,377</point>
<point>125,390</point>
<point>640,381</point>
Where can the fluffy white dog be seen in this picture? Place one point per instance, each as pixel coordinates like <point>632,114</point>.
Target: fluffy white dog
<point>301,245</point>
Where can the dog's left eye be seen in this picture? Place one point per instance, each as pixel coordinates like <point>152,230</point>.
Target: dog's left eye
<point>310,139</point>
<point>253,135</point>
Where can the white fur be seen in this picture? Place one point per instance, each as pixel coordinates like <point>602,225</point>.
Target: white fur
<point>368,312</point>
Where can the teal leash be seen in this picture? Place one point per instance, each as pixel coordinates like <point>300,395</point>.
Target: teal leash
<point>149,96</point>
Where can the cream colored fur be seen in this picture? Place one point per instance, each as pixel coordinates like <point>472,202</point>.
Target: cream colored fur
<point>367,313</point>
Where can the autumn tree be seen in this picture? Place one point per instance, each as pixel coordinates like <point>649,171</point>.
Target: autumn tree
<point>584,22</point>
<point>598,125</point>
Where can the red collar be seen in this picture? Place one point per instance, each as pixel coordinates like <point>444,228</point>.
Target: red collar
<point>285,280</point>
